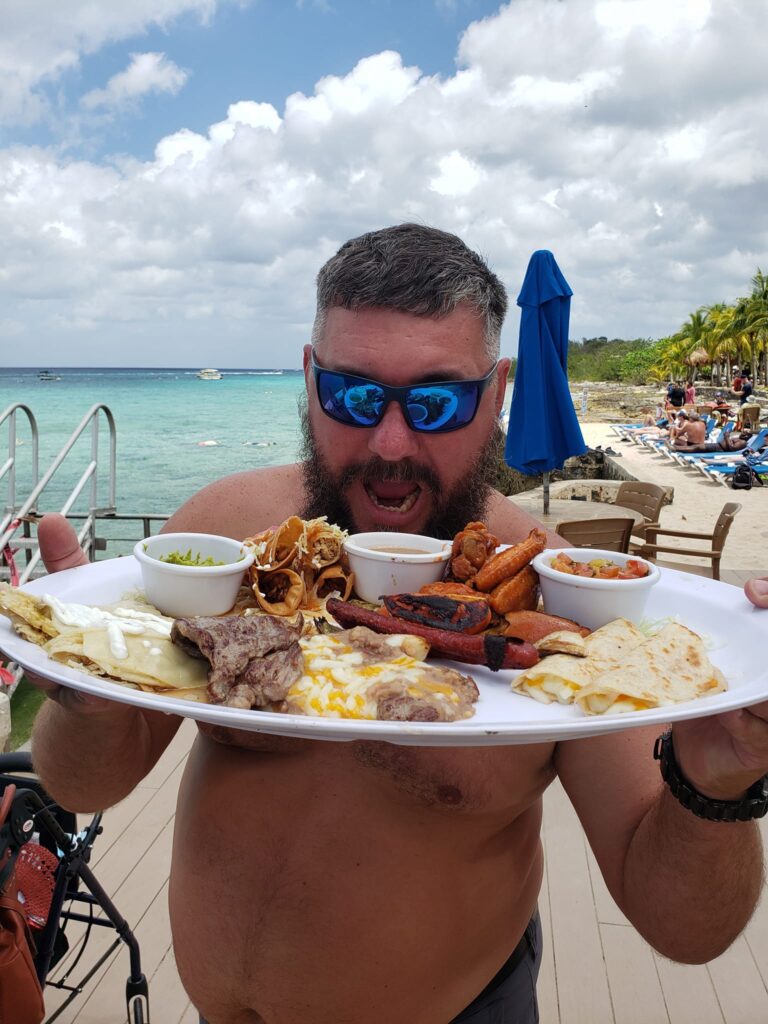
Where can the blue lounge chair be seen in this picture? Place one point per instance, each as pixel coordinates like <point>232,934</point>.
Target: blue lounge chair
<point>723,473</point>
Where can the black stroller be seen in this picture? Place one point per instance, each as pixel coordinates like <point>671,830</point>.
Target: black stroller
<point>62,854</point>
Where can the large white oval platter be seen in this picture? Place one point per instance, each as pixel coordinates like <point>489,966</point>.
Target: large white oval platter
<point>736,632</point>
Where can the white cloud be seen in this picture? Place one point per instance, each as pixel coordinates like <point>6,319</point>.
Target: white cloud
<point>147,73</point>
<point>634,148</point>
<point>41,40</point>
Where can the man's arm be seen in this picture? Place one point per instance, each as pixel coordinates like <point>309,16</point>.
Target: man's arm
<point>91,757</point>
<point>689,886</point>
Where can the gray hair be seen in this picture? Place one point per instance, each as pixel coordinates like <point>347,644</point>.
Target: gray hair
<point>414,269</point>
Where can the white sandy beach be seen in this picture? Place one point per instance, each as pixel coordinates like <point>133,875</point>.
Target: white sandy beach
<point>696,504</point>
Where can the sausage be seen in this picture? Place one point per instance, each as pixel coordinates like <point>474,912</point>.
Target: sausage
<point>517,594</point>
<point>533,626</point>
<point>440,612</point>
<point>493,651</point>
<point>510,561</point>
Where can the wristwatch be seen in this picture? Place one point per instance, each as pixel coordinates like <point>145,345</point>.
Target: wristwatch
<point>753,805</point>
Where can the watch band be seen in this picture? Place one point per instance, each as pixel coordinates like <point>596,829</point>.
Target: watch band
<point>753,805</point>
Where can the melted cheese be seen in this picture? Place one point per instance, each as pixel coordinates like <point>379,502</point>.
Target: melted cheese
<point>338,680</point>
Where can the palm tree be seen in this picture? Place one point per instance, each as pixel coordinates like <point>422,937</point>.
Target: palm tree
<point>758,319</point>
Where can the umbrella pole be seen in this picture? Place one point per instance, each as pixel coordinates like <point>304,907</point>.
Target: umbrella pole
<point>546,494</point>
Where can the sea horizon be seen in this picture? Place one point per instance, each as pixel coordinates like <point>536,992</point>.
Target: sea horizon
<point>175,433</point>
<point>147,369</point>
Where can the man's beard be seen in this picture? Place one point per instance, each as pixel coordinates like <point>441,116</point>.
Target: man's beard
<point>467,501</point>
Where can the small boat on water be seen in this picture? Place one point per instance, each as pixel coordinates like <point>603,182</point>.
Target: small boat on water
<point>209,374</point>
<point>47,375</point>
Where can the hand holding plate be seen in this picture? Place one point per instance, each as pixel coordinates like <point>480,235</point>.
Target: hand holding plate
<point>723,755</point>
<point>59,545</point>
<point>757,592</point>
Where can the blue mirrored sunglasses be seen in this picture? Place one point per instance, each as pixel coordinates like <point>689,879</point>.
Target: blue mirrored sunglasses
<point>432,408</point>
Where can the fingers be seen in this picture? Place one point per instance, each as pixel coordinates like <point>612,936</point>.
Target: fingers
<point>757,592</point>
<point>58,543</point>
<point>70,700</point>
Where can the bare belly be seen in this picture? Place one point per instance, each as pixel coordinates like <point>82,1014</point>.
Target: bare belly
<point>352,882</point>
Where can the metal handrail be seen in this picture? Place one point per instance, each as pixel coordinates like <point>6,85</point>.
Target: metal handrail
<point>87,535</point>
<point>9,466</point>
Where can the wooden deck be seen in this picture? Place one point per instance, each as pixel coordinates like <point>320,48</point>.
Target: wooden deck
<point>596,969</point>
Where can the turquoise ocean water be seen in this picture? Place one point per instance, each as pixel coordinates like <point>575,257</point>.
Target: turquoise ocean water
<point>162,416</point>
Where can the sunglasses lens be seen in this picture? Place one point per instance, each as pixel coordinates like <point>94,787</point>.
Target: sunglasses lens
<point>442,407</point>
<point>348,399</point>
<point>429,408</point>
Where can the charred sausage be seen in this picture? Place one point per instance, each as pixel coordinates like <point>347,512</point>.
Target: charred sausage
<point>494,651</point>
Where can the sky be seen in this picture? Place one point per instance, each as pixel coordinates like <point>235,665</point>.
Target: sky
<point>173,173</point>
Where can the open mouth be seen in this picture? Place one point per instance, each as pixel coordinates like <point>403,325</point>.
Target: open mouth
<point>395,497</point>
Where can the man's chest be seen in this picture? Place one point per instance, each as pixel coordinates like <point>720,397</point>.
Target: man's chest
<point>491,780</point>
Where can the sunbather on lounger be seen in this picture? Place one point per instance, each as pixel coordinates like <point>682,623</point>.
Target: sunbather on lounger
<point>730,442</point>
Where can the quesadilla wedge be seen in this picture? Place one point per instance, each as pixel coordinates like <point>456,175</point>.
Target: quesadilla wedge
<point>670,667</point>
<point>561,677</point>
<point>155,663</point>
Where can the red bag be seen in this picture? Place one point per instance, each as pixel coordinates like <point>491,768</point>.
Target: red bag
<point>21,996</point>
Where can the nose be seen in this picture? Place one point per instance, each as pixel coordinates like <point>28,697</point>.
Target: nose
<point>393,439</point>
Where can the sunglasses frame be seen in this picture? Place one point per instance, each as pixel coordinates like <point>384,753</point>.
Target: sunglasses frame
<point>398,394</point>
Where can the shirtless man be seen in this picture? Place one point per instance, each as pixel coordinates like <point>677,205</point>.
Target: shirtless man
<point>368,883</point>
<point>693,431</point>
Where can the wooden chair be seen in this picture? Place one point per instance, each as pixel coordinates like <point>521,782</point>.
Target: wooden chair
<point>645,498</point>
<point>611,534</point>
<point>650,548</point>
<point>749,416</point>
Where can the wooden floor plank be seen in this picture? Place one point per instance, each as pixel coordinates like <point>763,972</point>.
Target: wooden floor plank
<point>121,857</point>
<point>134,895</point>
<point>547,983</point>
<point>635,988</point>
<point>106,1002</point>
<point>739,986</point>
<point>582,982</point>
<point>689,994</point>
<point>605,905</point>
<point>191,1016</point>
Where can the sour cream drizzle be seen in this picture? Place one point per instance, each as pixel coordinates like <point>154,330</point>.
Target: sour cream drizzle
<point>118,624</point>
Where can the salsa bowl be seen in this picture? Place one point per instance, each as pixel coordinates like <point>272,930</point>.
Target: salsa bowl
<point>589,601</point>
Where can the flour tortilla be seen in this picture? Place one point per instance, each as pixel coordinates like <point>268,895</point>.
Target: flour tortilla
<point>670,667</point>
<point>152,662</point>
<point>157,664</point>
<point>561,677</point>
<point>30,618</point>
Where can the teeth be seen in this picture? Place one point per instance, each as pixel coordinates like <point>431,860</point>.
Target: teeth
<point>404,506</point>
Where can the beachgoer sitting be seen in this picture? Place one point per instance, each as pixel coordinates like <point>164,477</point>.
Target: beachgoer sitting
<point>693,431</point>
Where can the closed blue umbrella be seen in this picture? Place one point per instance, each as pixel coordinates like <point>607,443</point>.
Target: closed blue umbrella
<point>543,429</point>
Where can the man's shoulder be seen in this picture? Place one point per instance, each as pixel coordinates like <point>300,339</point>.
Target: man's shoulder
<point>510,523</point>
<point>244,503</point>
